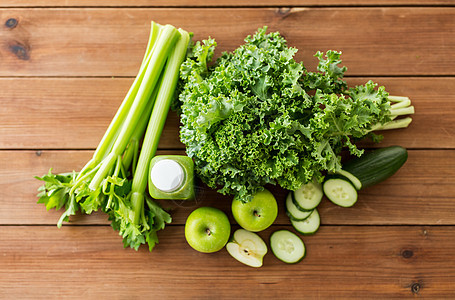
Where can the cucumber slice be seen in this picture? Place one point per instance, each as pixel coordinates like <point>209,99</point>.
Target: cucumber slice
<point>340,191</point>
<point>287,246</point>
<point>293,212</point>
<point>354,180</point>
<point>308,226</point>
<point>308,196</point>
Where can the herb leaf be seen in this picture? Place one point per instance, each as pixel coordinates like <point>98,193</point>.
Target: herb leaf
<point>256,116</point>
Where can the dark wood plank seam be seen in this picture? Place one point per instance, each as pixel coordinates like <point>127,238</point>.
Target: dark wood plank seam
<point>232,6</point>
<point>179,149</point>
<point>410,76</point>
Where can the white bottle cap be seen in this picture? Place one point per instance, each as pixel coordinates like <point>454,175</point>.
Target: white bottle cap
<point>167,175</point>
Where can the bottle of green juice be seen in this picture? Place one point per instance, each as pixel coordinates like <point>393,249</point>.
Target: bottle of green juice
<point>171,177</point>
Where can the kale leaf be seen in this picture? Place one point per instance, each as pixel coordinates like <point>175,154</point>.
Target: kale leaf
<point>256,116</point>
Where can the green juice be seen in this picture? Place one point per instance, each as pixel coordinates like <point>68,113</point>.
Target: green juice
<point>171,177</point>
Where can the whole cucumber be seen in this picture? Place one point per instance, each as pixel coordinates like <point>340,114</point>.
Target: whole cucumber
<point>377,165</point>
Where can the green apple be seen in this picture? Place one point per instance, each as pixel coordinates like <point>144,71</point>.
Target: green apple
<point>247,247</point>
<point>258,214</point>
<point>207,229</point>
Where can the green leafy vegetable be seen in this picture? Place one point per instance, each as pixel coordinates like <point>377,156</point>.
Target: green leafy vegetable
<point>257,117</point>
<point>115,179</point>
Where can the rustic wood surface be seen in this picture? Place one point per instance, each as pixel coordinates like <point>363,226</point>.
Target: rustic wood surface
<point>210,3</point>
<point>64,69</point>
<point>110,42</point>
<point>342,262</point>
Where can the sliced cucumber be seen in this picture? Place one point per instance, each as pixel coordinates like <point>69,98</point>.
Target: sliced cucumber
<point>293,212</point>
<point>308,226</point>
<point>376,166</point>
<point>340,191</point>
<point>287,246</point>
<point>354,180</point>
<point>308,196</point>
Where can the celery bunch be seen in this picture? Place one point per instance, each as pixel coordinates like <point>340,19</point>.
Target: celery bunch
<point>115,179</point>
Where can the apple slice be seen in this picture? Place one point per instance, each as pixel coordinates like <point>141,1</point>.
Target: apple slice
<point>247,247</point>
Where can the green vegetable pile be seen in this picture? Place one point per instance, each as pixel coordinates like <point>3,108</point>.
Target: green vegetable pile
<point>256,116</point>
<point>115,179</point>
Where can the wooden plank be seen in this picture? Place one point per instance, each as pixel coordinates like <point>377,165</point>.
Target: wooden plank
<point>73,113</point>
<point>106,42</point>
<point>422,192</point>
<point>64,113</point>
<point>381,262</point>
<point>430,127</point>
<point>208,3</point>
<point>19,188</point>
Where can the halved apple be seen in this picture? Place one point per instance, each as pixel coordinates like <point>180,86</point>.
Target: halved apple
<point>247,247</point>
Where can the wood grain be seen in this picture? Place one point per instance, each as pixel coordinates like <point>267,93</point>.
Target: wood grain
<point>65,66</point>
<point>62,113</point>
<point>107,42</point>
<point>208,3</point>
<point>342,262</point>
<point>73,113</point>
<point>422,192</point>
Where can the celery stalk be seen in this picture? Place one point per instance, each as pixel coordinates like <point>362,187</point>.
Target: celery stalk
<point>131,152</point>
<point>397,98</point>
<point>116,123</point>
<point>156,124</point>
<point>395,124</point>
<point>402,111</point>
<point>155,64</point>
<point>402,104</point>
<point>111,134</point>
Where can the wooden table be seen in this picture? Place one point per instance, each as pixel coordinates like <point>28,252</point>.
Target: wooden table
<point>64,69</point>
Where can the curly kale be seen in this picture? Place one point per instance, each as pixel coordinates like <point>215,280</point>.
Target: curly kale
<point>256,116</point>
